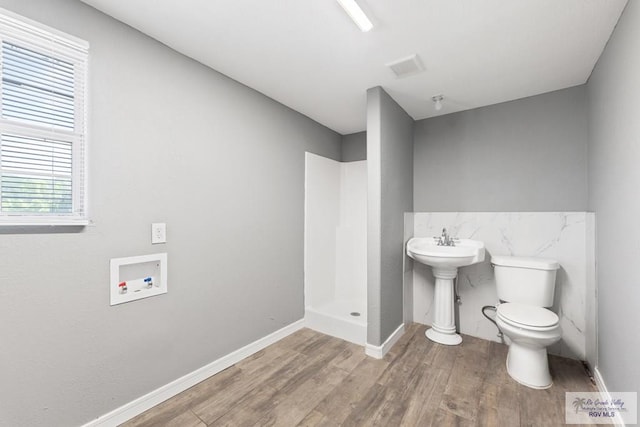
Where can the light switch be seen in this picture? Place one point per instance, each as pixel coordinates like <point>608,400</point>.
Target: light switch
<point>158,233</point>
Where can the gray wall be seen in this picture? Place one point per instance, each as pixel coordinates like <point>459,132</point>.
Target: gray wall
<point>170,141</point>
<point>354,147</point>
<point>390,195</point>
<point>524,155</point>
<point>614,185</point>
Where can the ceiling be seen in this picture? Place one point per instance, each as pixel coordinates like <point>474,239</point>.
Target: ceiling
<point>311,57</point>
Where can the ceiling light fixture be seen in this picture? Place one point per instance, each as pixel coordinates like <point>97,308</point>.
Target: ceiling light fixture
<point>438,101</point>
<point>355,12</point>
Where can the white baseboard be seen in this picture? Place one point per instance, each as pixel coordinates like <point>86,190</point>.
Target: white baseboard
<point>149,400</point>
<point>602,388</point>
<point>378,352</point>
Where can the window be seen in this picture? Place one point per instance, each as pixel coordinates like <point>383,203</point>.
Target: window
<point>42,124</point>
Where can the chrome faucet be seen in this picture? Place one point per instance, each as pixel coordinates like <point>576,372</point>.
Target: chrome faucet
<point>445,239</point>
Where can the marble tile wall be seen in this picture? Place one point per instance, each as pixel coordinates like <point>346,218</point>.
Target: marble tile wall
<point>564,236</point>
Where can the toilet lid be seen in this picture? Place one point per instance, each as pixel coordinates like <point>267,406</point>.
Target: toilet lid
<point>527,315</point>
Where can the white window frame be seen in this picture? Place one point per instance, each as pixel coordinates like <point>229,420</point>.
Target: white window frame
<point>29,34</point>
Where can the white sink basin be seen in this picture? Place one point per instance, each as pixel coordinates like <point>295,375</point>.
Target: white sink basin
<point>445,260</point>
<point>427,251</point>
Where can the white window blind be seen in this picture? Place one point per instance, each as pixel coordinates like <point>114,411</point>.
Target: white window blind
<point>42,124</point>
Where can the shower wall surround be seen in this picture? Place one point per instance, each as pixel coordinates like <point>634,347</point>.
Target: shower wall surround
<point>335,247</point>
<point>567,237</point>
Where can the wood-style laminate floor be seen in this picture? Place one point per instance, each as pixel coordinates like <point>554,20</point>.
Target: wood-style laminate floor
<point>310,379</point>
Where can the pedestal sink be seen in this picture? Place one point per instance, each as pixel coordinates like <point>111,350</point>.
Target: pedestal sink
<point>445,261</point>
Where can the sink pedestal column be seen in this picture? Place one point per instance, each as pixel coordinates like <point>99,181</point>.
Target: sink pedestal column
<point>443,329</point>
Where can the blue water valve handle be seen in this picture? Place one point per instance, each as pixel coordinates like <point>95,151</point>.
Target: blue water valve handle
<point>148,281</point>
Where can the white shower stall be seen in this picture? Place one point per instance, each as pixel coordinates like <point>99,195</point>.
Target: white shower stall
<point>335,247</point>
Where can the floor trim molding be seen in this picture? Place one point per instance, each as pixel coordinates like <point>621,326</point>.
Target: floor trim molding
<point>602,388</point>
<point>149,400</point>
<point>378,352</point>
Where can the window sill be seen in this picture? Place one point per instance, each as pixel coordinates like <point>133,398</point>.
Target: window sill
<point>40,222</point>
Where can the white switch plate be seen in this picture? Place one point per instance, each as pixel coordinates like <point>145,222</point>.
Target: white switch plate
<point>158,233</point>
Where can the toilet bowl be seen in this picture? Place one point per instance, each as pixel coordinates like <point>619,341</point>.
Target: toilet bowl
<point>531,330</point>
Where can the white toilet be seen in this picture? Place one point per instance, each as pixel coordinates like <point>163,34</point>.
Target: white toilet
<point>525,287</point>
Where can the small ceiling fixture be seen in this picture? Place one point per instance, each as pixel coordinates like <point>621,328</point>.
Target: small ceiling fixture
<point>406,66</point>
<point>356,13</point>
<point>437,102</point>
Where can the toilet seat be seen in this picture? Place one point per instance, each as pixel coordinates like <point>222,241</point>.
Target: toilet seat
<point>527,316</point>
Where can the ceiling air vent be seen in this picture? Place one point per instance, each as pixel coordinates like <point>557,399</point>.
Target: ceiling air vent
<point>407,66</point>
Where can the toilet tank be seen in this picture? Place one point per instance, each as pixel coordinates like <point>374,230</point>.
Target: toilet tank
<point>525,280</point>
